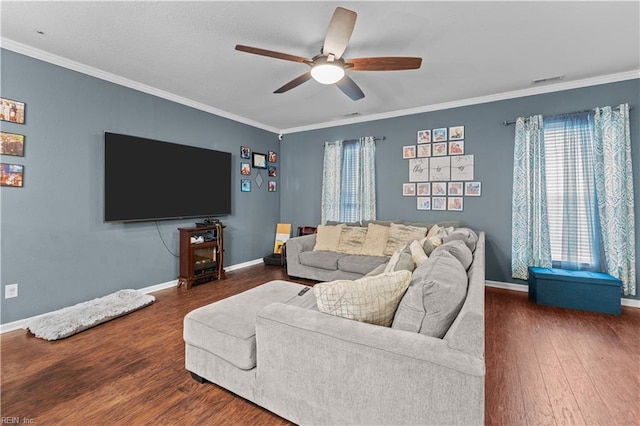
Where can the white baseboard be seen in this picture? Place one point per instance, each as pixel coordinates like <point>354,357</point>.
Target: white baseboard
<point>21,324</point>
<point>633,303</point>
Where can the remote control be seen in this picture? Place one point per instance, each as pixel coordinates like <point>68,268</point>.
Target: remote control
<point>304,290</point>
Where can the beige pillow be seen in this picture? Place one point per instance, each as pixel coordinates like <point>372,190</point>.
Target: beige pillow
<point>375,240</point>
<point>373,300</point>
<point>434,236</point>
<point>351,239</point>
<point>402,234</point>
<point>328,237</point>
<point>417,253</point>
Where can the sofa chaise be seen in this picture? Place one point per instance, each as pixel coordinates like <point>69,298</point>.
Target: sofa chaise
<point>272,346</point>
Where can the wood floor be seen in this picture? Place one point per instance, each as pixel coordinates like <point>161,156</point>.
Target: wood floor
<point>544,366</point>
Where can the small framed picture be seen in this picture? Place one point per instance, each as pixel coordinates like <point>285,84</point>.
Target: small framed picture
<point>438,203</point>
<point>455,204</point>
<point>273,186</point>
<point>456,148</point>
<point>11,144</point>
<point>456,133</point>
<point>273,171</point>
<point>439,149</point>
<point>455,188</point>
<point>408,189</point>
<point>424,136</point>
<point>424,203</point>
<point>245,185</point>
<point>245,169</point>
<point>424,188</point>
<point>273,157</point>
<point>245,152</point>
<point>439,188</point>
<point>424,150</point>
<point>259,161</point>
<point>472,189</point>
<point>409,151</point>
<point>440,135</point>
<point>12,111</point>
<point>11,175</point>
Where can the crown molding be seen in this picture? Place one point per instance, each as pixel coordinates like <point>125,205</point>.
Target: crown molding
<point>113,78</point>
<point>559,87</point>
<point>103,75</point>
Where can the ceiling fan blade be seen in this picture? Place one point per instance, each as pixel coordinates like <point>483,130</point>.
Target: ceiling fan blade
<point>339,32</point>
<point>272,54</point>
<point>295,82</point>
<point>391,63</point>
<point>350,88</point>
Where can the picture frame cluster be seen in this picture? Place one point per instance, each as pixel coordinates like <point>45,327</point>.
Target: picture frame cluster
<point>12,144</point>
<point>254,160</point>
<point>441,174</point>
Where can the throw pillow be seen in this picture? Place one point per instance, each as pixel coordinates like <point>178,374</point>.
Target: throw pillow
<point>373,300</point>
<point>375,241</point>
<point>328,237</point>
<point>467,235</point>
<point>400,260</point>
<point>417,253</point>
<point>459,250</point>
<point>351,239</point>
<point>402,234</point>
<point>435,296</point>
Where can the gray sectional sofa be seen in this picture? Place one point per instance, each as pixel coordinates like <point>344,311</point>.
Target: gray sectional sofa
<point>272,346</point>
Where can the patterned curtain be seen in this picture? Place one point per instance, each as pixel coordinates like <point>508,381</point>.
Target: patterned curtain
<point>349,181</point>
<point>331,174</point>
<point>614,189</point>
<point>530,229</point>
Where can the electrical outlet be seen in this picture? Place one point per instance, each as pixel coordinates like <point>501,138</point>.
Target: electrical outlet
<point>10,291</point>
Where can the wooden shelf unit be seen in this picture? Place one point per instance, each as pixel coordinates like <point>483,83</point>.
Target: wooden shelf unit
<point>201,262</point>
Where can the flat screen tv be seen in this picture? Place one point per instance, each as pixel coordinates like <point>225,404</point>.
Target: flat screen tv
<point>147,180</point>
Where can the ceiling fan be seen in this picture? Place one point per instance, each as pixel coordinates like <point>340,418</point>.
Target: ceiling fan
<point>329,66</point>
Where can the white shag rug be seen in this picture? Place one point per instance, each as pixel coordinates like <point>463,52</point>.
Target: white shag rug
<point>74,319</point>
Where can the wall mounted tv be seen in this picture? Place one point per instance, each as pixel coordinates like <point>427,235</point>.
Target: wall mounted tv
<point>146,180</point>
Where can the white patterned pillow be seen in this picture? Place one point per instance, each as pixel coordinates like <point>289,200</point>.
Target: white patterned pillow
<point>373,300</point>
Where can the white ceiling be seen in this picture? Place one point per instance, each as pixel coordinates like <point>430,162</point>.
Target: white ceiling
<point>184,51</point>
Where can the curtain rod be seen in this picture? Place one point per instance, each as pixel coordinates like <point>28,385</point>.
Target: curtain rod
<point>508,123</point>
<point>375,138</point>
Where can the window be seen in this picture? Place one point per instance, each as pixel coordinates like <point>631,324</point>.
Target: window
<point>571,206</point>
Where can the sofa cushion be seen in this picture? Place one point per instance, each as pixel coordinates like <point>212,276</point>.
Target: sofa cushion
<point>375,240</point>
<point>351,239</point>
<point>467,235</point>
<point>459,250</point>
<point>369,299</point>
<point>400,235</point>
<point>360,264</point>
<point>227,328</point>
<point>328,237</point>
<point>434,297</point>
<point>320,259</point>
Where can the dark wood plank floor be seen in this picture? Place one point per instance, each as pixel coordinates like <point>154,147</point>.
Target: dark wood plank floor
<point>544,366</point>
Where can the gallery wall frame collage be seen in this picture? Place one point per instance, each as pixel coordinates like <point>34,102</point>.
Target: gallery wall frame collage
<point>263,163</point>
<point>12,144</point>
<point>441,174</point>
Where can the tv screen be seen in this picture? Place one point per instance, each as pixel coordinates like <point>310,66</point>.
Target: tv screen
<point>146,179</point>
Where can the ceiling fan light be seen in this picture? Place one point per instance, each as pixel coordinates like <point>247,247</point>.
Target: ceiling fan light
<point>327,73</point>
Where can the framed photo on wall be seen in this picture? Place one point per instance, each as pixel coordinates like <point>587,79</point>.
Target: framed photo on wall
<point>12,111</point>
<point>11,175</point>
<point>273,186</point>
<point>473,189</point>
<point>456,133</point>
<point>409,151</point>
<point>245,169</point>
<point>438,203</point>
<point>423,203</point>
<point>424,188</point>
<point>245,152</point>
<point>11,144</point>
<point>455,204</point>
<point>408,189</point>
<point>440,135</point>
<point>273,157</point>
<point>424,136</point>
<point>456,148</point>
<point>259,161</point>
<point>245,185</point>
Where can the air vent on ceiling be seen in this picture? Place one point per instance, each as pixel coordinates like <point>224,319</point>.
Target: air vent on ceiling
<point>548,79</point>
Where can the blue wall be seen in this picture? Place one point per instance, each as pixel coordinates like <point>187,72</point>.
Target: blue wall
<point>55,244</point>
<point>486,138</point>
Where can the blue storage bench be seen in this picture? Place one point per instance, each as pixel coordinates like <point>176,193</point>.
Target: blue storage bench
<point>584,290</point>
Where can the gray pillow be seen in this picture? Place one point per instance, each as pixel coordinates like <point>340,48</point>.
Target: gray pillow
<point>435,295</point>
<point>459,250</point>
<point>466,235</point>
